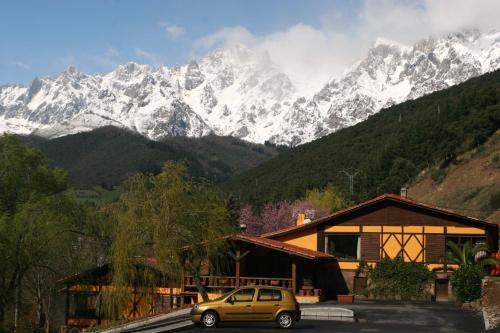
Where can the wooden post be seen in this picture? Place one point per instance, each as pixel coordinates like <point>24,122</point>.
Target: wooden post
<point>99,303</point>
<point>66,306</point>
<point>171,302</point>
<point>183,288</point>
<point>294,276</point>
<point>237,268</point>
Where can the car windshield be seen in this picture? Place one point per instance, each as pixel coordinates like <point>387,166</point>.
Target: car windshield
<point>223,296</point>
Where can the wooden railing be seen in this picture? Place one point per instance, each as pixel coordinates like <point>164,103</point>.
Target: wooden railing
<point>229,282</point>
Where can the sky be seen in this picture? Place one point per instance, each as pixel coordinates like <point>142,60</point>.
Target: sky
<point>306,39</point>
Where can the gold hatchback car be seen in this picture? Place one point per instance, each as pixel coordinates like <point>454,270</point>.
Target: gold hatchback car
<point>259,303</point>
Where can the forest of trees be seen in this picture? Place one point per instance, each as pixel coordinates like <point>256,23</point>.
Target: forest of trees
<point>387,150</point>
<point>45,234</point>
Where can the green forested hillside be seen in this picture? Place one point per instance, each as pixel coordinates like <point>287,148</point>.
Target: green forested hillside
<point>388,149</point>
<point>104,157</point>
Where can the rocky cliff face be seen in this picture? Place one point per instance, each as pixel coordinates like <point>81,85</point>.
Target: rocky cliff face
<point>240,92</point>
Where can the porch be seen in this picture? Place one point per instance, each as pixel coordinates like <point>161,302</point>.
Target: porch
<point>266,262</point>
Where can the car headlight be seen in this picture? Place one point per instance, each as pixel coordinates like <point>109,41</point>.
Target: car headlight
<point>196,307</point>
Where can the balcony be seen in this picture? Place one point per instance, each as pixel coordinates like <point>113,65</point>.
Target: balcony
<point>231,282</point>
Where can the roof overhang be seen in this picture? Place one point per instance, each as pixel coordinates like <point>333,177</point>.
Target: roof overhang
<point>390,198</point>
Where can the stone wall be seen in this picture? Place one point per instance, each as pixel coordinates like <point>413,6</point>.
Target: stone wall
<point>491,302</point>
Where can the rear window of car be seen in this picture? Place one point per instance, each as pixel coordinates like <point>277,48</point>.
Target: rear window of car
<point>269,295</point>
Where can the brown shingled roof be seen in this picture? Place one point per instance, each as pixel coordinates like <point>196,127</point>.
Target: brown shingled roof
<point>384,197</point>
<point>284,247</point>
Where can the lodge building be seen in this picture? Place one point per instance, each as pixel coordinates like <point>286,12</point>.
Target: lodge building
<point>389,226</point>
<point>318,259</point>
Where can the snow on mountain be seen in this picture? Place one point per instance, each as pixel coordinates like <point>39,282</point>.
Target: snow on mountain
<point>240,92</point>
<point>391,73</point>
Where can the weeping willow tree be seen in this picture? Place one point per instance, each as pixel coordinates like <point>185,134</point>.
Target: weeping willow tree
<point>177,221</point>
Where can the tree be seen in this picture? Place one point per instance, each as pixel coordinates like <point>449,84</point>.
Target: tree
<point>468,255</point>
<point>250,220</point>
<point>472,261</point>
<point>277,216</point>
<point>178,221</point>
<point>328,199</point>
<point>37,224</point>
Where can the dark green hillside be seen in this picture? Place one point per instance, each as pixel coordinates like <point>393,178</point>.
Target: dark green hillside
<point>223,156</point>
<point>389,148</point>
<point>105,156</point>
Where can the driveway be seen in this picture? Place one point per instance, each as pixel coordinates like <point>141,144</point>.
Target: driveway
<point>386,317</point>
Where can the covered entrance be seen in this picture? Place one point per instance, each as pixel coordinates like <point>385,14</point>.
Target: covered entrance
<point>267,262</point>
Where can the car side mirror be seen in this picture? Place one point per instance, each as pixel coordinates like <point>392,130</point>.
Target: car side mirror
<point>230,300</point>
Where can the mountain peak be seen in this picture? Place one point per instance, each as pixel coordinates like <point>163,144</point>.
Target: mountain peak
<point>384,42</point>
<point>239,91</point>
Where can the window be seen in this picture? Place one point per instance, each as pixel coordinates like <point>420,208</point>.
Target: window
<point>461,240</point>
<point>243,295</point>
<point>83,305</point>
<point>343,246</point>
<point>269,295</point>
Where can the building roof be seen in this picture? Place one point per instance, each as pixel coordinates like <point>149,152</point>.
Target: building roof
<point>101,271</point>
<point>283,247</point>
<point>387,198</point>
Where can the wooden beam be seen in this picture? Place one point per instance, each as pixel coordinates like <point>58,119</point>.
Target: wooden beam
<point>237,256</point>
<point>237,268</point>
<point>99,307</point>
<point>183,275</point>
<point>320,246</point>
<point>66,306</point>
<point>294,276</point>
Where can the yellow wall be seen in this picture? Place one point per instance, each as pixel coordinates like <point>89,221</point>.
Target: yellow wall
<point>307,239</point>
<point>465,231</point>
<point>395,240</point>
<point>342,228</point>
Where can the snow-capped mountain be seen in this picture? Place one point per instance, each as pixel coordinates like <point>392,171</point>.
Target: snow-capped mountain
<point>240,92</point>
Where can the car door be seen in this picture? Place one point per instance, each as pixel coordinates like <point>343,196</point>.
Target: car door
<point>267,303</point>
<point>238,306</point>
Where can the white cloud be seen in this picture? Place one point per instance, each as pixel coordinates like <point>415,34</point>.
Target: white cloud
<point>65,62</point>
<point>148,56</point>
<point>20,64</point>
<point>227,37</point>
<point>108,59</point>
<point>173,31</point>
<point>304,51</point>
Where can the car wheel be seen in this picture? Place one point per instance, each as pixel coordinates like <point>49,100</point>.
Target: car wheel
<point>209,319</point>
<point>285,320</point>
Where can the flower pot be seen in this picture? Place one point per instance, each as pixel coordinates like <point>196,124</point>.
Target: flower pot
<point>344,299</point>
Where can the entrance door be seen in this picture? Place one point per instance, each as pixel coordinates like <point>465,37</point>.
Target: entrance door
<point>441,289</point>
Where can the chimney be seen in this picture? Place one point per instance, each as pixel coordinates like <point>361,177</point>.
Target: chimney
<point>300,218</point>
<point>404,192</point>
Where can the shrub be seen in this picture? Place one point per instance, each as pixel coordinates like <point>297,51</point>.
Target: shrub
<point>395,277</point>
<point>466,282</point>
<point>437,175</point>
<point>495,201</point>
<point>496,161</point>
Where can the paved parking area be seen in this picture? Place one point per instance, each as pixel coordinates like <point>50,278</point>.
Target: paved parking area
<point>386,317</point>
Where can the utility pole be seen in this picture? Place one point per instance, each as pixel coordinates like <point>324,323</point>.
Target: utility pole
<point>350,176</point>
